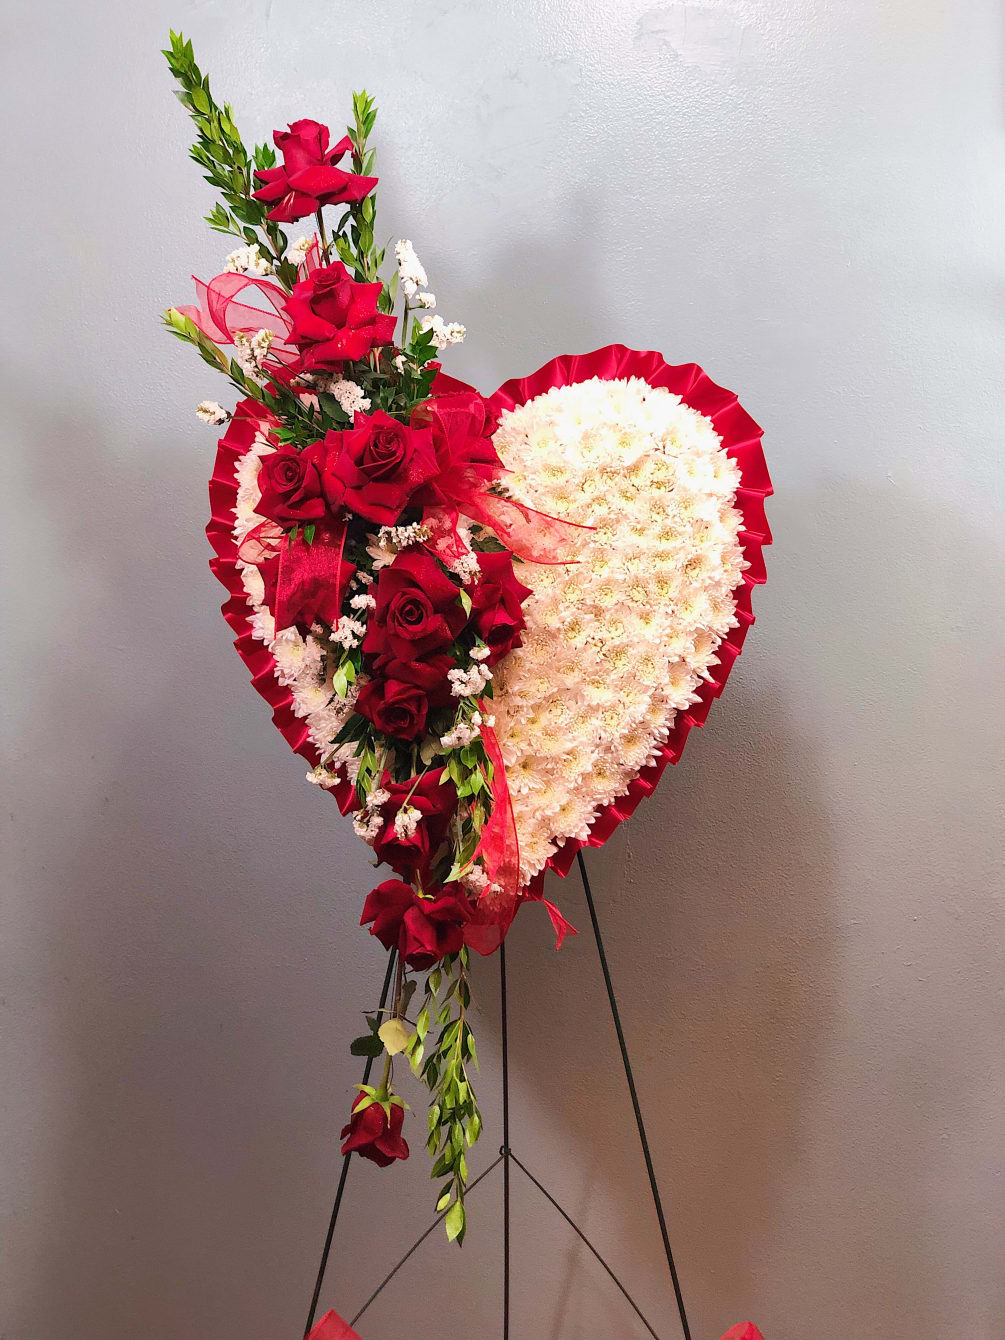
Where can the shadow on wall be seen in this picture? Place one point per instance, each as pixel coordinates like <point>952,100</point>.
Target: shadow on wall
<point>722,966</point>
<point>185,983</point>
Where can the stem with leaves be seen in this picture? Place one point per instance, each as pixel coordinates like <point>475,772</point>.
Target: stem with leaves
<point>220,152</point>
<point>454,1120</point>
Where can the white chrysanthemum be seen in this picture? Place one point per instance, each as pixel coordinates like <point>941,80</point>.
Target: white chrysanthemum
<point>619,642</point>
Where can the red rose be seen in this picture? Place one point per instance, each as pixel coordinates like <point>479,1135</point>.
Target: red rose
<point>291,486</point>
<point>376,466</point>
<point>423,929</point>
<point>436,805</point>
<point>308,178</point>
<point>373,1133</point>
<point>428,674</point>
<point>394,707</point>
<point>417,610</point>
<point>495,604</point>
<point>334,319</point>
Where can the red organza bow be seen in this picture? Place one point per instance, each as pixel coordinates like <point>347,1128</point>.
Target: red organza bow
<point>220,316</point>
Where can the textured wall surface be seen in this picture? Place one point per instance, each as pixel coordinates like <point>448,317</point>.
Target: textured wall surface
<point>805,924</point>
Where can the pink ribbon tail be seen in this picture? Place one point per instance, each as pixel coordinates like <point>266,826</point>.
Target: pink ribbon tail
<point>533,536</point>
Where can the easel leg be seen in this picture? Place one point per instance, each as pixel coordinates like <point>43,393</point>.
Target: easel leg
<point>505,1151</point>
<point>344,1174</point>
<point>654,1186</point>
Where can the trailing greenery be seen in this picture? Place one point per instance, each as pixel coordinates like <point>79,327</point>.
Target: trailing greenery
<point>454,1120</point>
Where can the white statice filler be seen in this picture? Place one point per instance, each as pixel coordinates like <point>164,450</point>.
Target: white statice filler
<point>616,644</point>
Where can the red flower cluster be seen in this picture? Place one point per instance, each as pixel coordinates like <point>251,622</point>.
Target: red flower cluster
<point>374,1133</point>
<point>423,928</point>
<point>309,178</point>
<point>417,617</point>
<point>435,799</point>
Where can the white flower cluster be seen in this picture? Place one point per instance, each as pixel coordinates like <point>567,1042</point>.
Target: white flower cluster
<point>465,732</point>
<point>248,260</point>
<point>466,567</point>
<point>350,396</point>
<point>468,683</point>
<point>367,824</point>
<point>249,351</point>
<point>406,821</point>
<point>444,332</point>
<point>349,633</point>
<point>616,643</point>
<point>390,540</point>
<point>300,248</point>
<point>208,411</point>
<point>411,275</point>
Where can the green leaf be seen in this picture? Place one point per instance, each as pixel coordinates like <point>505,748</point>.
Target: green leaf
<point>443,1202</point>
<point>454,1221</point>
<point>370,1045</point>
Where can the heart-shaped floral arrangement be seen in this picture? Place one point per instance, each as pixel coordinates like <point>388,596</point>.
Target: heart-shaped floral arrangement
<point>488,624</point>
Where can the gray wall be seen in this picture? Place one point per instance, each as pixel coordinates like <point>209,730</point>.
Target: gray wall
<point>805,925</point>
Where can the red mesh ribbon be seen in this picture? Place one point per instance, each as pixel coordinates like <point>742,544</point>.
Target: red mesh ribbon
<point>261,544</point>
<point>220,316</point>
<point>533,536</point>
<point>313,577</point>
<point>499,850</point>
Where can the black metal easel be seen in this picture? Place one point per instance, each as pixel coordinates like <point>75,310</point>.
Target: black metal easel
<point>507,1157</point>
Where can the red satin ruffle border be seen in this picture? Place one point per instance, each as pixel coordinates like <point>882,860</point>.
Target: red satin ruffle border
<point>741,438</point>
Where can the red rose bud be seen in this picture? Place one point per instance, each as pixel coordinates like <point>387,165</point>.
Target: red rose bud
<point>403,852</point>
<point>290,482</point>
<point>374,1133</point>
<point>375,467</point>
<point>417,610</point>
<point>334,319</point>
<point>395,708</point>
<point>308,178</point>
<point>423,929</point>
<point>495,604</point>
<point>745,1331</point>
